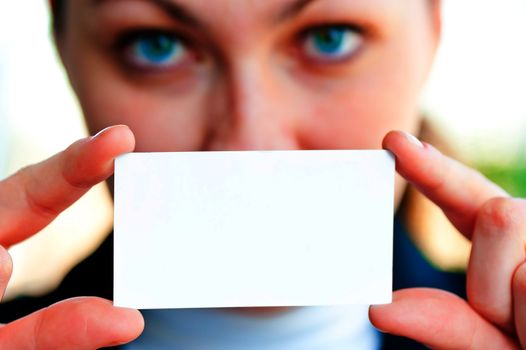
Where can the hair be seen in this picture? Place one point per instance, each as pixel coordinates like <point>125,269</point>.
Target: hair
<point>58,10</point>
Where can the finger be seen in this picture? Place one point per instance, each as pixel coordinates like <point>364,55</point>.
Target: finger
<point>519,303</point>
<point>438,319</point>
<point>458,190</point>
<point>81,323</point>
<point>33,197</point>
<point>6,268</point>
<point>498,248</point>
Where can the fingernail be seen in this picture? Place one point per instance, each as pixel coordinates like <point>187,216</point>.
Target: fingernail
<point>374,309</point>
<point>128,312</point>
<point>103,131</point>
<point>412,139</point>
<point>378,306</point>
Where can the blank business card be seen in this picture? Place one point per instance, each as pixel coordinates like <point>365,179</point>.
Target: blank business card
<point>253,228</point>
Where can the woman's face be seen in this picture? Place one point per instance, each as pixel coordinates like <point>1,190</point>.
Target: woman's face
<point>248,74</point>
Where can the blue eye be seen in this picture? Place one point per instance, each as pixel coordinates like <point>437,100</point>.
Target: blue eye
<point>156,50</point>
<point>331,43</point>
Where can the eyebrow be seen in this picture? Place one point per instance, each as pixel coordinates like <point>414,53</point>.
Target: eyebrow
<point>181,14</point>
<point>292,10</point>
<point>174,10</point>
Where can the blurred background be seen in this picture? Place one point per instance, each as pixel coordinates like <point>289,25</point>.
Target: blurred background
<point>476,99</point>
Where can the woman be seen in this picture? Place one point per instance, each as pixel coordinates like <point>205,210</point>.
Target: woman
<point>280,74</point>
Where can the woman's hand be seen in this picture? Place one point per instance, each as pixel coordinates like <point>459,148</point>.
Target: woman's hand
<point>30,200</point>
<point>495,315</point>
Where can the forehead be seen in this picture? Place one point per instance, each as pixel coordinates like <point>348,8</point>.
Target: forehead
<point>207,6</point>
<point>253,11</point>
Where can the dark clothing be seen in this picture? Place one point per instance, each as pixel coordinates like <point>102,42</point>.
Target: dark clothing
<point>94,277</point>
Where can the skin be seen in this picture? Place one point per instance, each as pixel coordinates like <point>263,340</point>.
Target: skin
<point>221,102</point>
<point>247,86</point>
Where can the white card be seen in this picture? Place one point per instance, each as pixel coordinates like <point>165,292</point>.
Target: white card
<point>253,228</point>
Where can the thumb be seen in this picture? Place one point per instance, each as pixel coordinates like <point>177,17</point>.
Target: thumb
<point>79,323</point>
<point>438,319</point>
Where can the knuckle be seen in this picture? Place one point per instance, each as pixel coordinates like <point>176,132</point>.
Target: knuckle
<point>85,305</point>
<point>25,181</point>
<point>501,214</point>
<point>39,334</point>
<point>6,265</point>
<point>73,318</point>
<point>519,280</point>
<point>45,210</point>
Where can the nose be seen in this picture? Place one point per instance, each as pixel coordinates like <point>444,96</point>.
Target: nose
<point>250,110</point>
